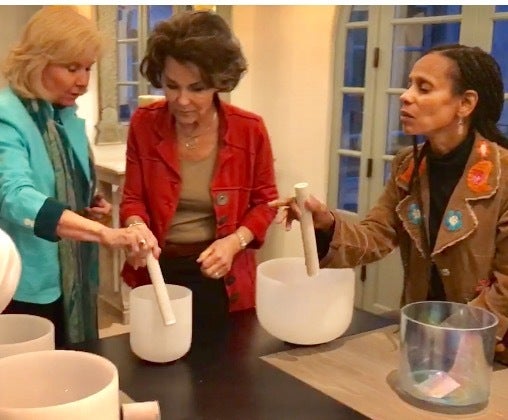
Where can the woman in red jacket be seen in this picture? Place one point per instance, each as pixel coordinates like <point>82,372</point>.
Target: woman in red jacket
<point>199,171</point>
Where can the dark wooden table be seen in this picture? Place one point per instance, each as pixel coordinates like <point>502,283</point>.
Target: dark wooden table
<point>226,379</point>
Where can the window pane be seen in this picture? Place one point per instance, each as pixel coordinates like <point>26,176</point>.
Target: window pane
<point>421,11</point>
<point>352,118</point>
<point>127,26</point>
<point>411,41</point>
<point>359,13</point>
<point>127,102</point>
<point>349,175</point>
<point>501,8</point>
<point>128,61</point>
<point>158,13</point>
<point>503,121</point>
<point>356,44</point>
<point>499,43</point>
<point>387,171</point>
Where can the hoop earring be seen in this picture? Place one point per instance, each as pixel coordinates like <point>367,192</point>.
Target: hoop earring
<point>460,126</point>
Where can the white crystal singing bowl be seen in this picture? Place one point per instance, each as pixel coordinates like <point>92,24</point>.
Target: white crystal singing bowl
<point>58,385</point>
<point>10,269</point>
<point>150,339</point>
<point>20,333</point>
<point>299,309</point>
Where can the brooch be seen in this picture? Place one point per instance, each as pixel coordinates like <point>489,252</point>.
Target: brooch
<point>453,220</point>
<point>414,214</point>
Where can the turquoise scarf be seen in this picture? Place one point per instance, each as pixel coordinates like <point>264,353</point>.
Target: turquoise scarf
<point>78,260</point>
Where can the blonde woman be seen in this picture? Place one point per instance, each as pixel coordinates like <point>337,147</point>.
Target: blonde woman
<point>47,180</point>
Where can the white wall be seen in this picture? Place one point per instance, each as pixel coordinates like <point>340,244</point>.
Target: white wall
<point>88,104</point>
<point>289,83</point>
<point>12,20</point>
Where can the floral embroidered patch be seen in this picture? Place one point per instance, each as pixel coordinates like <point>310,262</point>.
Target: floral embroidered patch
<point>406,175</point>
<point>453,220</point>
<point>478,175</point>
<point>483,284</point>
<point>414,214</point>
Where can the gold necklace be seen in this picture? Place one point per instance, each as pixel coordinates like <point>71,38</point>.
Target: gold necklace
<point>191,142</point>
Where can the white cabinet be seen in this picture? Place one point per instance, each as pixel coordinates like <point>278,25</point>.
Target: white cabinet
<point>110,170</point>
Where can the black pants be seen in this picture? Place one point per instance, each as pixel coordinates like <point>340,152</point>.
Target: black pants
<point>210,303</point>
<point>52,311</point>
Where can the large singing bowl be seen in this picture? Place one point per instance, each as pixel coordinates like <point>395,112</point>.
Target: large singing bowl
<point>22,333</point>
<point>58,385</point>
<point>300,309</point>
<point>10,269</point>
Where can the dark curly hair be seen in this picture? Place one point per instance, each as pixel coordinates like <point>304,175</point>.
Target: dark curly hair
<point>478,71</point>
<point>199,37</point>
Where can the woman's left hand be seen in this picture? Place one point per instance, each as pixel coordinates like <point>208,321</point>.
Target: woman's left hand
<point>216,260</point>
<point>99,208</point>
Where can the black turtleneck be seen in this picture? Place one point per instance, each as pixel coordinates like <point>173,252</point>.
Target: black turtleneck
<point>444,173</point>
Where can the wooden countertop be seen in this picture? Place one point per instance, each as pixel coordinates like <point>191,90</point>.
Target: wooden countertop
<point>360,371</point>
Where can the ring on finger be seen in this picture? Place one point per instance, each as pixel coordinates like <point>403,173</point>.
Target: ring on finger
<point>216,274</point>
<point>142,242</point>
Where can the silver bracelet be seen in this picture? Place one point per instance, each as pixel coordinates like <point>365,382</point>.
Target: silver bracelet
<point>241,238</point>
<point>135,224</point>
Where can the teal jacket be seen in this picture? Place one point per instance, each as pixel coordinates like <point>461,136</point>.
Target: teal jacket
<point>27,181</point>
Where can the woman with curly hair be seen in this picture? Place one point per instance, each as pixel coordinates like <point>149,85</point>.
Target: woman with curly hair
<point>199,171</point>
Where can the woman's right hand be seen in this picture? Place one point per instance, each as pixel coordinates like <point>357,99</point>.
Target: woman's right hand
<point>137,241</point>
<point>288,211</point>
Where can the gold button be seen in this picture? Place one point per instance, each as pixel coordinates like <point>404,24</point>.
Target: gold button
<point>444,272</point>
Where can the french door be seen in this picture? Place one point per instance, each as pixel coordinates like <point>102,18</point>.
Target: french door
<point>376,46</point>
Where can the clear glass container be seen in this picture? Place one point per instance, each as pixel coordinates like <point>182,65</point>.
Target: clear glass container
<point>447,353</point>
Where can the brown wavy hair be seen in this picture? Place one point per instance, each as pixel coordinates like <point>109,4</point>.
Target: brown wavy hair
<point>202,38</point>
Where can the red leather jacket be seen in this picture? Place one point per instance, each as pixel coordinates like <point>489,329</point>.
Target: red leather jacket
<point>242,185</point>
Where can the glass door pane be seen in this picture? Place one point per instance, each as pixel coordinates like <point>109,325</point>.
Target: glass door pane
<point>127,22</point>
<point>352,120</point>
<point>421,11</point>
<point>356,44</point>
<point>352,94</point>
<point>499,43</point>
<point>412,40</point>
<point>127,101</point>
<point>349,179</point>
<point>158,13</point>
<point>499,48</point>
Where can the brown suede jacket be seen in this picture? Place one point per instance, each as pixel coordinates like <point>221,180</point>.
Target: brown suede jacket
<point>471,250</point>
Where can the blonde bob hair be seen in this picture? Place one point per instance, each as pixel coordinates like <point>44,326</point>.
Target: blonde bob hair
<point>54,35</point>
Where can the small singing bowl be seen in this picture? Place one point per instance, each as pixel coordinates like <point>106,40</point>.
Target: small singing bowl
<point>21,333</point>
